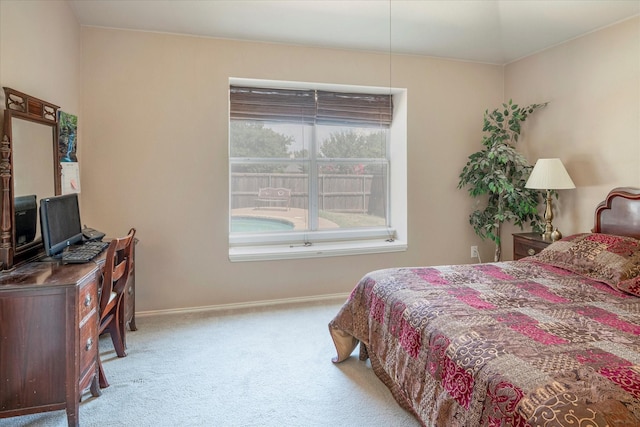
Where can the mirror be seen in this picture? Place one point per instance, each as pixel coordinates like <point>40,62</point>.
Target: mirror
<point>29,171</point>
<point>32,169</point>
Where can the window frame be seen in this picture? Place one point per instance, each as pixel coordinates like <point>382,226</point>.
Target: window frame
<point>322,242</point>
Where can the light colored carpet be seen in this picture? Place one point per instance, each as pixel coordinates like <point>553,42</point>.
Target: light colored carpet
<point>257,367</point>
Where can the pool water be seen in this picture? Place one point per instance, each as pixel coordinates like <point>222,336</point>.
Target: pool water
<point>245,224</point>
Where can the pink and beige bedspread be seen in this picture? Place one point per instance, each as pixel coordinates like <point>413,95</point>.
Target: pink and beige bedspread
<point>519,343</point>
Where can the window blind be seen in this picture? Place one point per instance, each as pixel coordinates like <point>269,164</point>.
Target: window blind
<point>253,103</point>
<point>310,106</point>
<point>354,108</point>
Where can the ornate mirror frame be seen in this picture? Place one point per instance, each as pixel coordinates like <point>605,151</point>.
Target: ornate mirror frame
<point>21,106</point>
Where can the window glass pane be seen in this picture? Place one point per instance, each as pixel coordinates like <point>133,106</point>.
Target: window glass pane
<point>282,208</point>
<point>269,176</point>
<point>348,142</point>
<point>352,195</point>
<point>257,139</point>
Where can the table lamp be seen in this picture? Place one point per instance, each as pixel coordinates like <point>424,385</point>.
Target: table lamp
<point>549,174</point>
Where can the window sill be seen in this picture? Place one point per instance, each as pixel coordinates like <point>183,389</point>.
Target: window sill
<point>317,250</point>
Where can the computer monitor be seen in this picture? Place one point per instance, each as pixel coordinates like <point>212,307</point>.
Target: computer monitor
<point>60,223</point>
<point>26,210</point>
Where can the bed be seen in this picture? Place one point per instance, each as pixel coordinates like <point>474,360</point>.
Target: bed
<point>548,340</point>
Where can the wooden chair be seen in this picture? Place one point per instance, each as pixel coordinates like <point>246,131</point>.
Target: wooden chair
<point>114,281</point>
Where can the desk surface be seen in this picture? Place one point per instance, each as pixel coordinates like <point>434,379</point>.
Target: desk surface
<point>48,273</point>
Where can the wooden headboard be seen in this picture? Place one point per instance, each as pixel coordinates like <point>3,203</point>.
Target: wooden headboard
<point>619,213</point>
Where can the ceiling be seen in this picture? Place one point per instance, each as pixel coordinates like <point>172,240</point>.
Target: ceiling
<point>492,31</point>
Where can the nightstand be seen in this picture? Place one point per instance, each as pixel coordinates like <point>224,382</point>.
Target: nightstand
<point>527,244</point>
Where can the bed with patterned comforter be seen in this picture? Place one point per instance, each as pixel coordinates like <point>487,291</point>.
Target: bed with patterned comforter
<point>550,340</point>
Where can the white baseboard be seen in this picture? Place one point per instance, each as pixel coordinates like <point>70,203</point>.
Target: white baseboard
<point>253,304</point>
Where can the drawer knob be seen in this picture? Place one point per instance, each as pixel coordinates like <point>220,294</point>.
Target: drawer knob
<point>89,344</point>
<point>531,251</point>
<point>87,301</point>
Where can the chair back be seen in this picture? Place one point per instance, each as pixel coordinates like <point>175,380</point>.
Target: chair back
<point>116,271</point>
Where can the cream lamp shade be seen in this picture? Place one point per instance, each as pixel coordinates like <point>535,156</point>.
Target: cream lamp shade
<point>549,174</point>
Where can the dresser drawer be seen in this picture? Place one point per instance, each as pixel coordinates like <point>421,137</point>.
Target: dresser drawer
<point>528,248</point>
<point>88,318</point>
<point>527,244</point>
<point>88,342</point>
<point>88,299</point>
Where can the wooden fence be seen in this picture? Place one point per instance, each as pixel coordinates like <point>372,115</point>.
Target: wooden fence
<point>364,193</point>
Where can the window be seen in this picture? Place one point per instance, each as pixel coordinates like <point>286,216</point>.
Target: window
<point>310,172</point>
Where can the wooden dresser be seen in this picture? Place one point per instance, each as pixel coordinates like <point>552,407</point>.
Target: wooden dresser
<point>48,337</point>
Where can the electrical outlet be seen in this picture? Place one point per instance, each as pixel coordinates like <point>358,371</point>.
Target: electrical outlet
<point>474,252</point>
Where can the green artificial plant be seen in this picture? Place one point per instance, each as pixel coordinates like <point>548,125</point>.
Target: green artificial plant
<point>498,173</point>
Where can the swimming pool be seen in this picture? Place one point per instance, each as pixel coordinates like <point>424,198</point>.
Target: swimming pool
<point>245,224</point>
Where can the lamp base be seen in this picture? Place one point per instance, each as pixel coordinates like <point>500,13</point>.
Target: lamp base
<point>548,217</point>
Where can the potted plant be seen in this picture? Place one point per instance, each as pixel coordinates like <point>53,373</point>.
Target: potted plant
<point>497,175</point>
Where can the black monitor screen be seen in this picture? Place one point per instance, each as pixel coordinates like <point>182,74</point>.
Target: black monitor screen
<point>60,223</point>
<point>26,209</point>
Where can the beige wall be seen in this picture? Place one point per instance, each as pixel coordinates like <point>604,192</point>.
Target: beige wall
<point>153,140</point>
<point>155,157</point>
<point>592,122</point>
<point>40,51</point>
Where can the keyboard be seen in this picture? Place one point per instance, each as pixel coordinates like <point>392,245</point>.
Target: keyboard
<point>83,253</point>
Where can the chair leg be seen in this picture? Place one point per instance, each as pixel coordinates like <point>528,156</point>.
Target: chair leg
<point>116,332</point>
<point>102,378</point>
<point>116,338</point>
<point>122,325</point>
